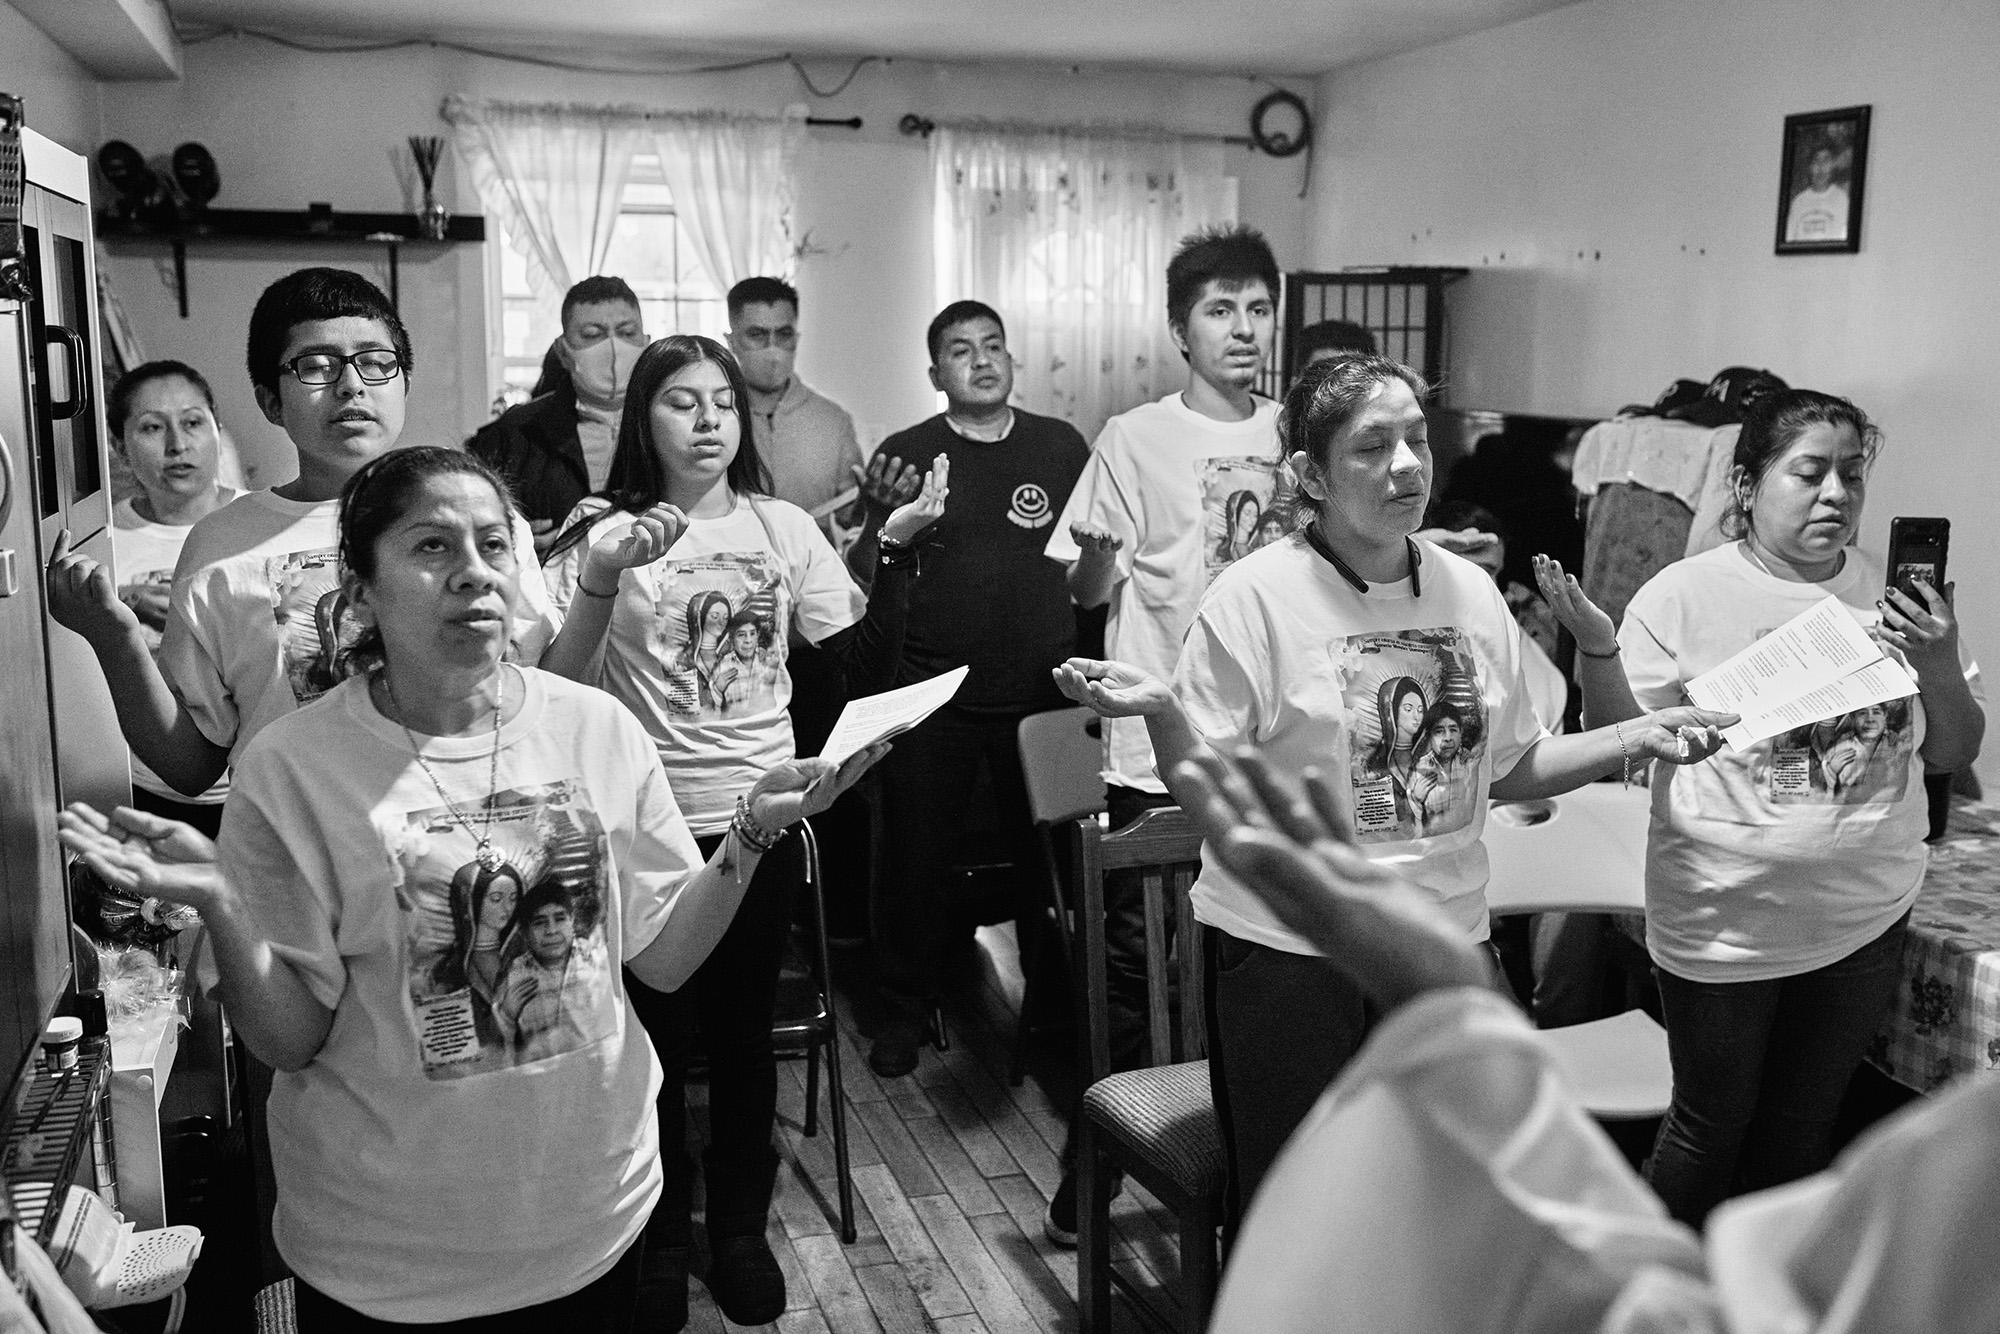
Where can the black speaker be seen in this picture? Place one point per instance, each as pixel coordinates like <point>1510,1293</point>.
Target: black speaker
<point>13,188</point>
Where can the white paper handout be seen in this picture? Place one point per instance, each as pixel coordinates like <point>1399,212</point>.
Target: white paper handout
<point>878,717</point>
<point>1819,664</point>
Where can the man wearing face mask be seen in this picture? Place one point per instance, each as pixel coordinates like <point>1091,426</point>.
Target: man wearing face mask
<point>556,449</point>
<point>806,438</point>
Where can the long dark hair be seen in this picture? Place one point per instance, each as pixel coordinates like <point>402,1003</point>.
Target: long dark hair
<point>637,481</point>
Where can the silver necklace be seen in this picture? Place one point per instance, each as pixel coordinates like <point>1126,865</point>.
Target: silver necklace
<point>484,853</point>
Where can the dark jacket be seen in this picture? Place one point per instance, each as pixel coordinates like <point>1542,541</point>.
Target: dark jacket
<point>534,446</point>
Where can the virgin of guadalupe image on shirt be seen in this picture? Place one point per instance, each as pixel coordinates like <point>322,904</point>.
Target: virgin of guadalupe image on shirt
<point>720,632</point>
<point>507,959</point>
<point>1245,505</point>
<point>314,630</point>
<point>1416,728</point>
<point>1847,760</point>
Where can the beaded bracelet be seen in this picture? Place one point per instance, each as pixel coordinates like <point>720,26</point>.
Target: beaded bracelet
<point>1618,730</point>
<point>895,555</point>
<point>751,832</point>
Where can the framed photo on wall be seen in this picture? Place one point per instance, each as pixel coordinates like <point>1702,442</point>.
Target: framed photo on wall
<point>1824,167</point>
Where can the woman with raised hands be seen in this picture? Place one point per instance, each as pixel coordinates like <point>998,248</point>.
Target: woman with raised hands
<point>1328,648</point>
<point>736,562</point>
<point>1778,883</point>
<point>429,1170</point>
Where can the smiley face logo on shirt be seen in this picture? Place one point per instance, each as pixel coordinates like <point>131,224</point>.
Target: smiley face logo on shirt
<point>1030,507</point>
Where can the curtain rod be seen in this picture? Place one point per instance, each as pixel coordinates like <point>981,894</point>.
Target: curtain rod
<point>922,127</point>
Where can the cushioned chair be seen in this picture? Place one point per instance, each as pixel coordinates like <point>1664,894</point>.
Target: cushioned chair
<point>1156,1124</point>
<point>1585,851</point>
<point>1062,759</point>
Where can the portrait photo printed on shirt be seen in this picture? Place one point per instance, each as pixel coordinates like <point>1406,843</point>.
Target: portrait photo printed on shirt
<point>507,956</point>
<point>1416,729</point>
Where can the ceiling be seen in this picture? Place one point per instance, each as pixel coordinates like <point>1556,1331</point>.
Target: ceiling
<point>1222,36</point>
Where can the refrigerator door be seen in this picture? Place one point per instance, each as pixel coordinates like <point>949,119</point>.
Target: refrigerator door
<point>34,902</point>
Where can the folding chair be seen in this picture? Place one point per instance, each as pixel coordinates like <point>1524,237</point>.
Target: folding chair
<point>1585,851</point>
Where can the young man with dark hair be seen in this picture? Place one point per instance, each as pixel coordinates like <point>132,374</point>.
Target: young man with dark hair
<point>556,449</point>
<point>989,601</point>
<point>1160,512</point>
<point>256,622</point>
<point>806,439</point>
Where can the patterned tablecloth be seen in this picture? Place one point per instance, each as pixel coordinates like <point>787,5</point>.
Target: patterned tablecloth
<point>1947,1016</point>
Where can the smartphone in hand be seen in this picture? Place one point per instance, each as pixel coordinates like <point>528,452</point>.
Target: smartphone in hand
<point>1917,550</point>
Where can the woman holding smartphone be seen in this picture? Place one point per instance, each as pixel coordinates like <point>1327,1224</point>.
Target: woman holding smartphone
<point>1776,898</point>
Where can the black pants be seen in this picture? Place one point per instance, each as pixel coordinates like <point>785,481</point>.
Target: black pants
<point>604,1307</point>
<point>925,783</point>
<point>725,1012</point>
<point>846,829</point>
<point>203,815</point>
<point>1281,1026</point>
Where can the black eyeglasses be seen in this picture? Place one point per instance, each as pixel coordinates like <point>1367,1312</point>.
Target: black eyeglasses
<point>377,365</point>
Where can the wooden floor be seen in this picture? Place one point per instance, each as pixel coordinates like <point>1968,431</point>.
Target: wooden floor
<point>952,1171</point>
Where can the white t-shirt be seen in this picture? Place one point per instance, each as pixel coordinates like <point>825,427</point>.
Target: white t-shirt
<point>258,627</point>
<point>430,1165</point>
<point>699,641</point>
<point>1285,655</point>
<point>146,553</point>
<point>1793,854</point>
<point>1187,495</point>
<point>1818,215</point>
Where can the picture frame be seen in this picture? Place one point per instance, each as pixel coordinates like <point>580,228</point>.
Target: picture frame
<point>1821,176</point>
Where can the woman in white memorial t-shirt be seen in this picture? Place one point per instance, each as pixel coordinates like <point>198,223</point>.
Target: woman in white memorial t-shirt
<point>1779,876</point>
<point>694,644</point>
<point>429,1171</point>
<point>1333,650</point>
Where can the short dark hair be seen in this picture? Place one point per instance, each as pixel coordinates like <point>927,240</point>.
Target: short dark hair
<point>549,889</point>
<point>118,404</point>
<point>595,289</point>
<point>305,296</point>
<point>761,291</point>
<point>379,494</point>
<point>1233,255</point>
<point>958,312</point>
<point>1333,336</point>
<point>1772,424</point>
<point>1325,397</point>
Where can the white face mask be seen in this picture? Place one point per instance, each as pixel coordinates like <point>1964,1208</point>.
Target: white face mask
<point>602,370</point>
<point>766,369</point>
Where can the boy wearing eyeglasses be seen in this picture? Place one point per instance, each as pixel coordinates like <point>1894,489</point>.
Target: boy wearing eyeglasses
<point>256,625</point>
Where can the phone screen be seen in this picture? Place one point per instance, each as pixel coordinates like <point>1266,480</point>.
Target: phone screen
<point>1917,552</point>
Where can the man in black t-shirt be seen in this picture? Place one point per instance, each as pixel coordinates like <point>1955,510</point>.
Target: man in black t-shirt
<point>989,600</point>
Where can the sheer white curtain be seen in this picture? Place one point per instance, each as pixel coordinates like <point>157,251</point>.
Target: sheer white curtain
<point>731,179</point>
<point>1067,234</point>
<point>552,177</point>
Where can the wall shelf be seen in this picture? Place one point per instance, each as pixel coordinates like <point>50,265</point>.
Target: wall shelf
<point>392,231</point>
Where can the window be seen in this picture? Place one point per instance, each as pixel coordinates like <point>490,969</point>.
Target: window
<point>648,250</point>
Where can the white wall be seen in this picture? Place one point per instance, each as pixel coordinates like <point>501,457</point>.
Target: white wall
<point>1609,173</point>
<point>59,94</point>
<point>288,128</point>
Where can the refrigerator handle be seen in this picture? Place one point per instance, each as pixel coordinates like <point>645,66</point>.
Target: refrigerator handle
<point>10,582</point>
<point>63,409</point>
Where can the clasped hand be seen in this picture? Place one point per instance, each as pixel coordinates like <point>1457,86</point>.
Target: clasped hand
<point>1926,633</point>
<point>650,536</point>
